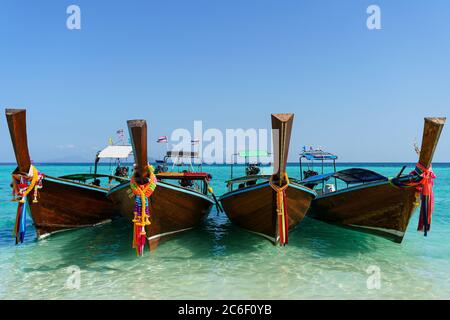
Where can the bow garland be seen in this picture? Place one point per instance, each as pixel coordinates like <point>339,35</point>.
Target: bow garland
<point>424,188</point>
<point>282,209</point>
<point>22,186</point>
<point>142,193</point>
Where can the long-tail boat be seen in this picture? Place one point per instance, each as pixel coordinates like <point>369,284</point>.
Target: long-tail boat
<point>370,202</point>
<point>54,203</point>
<point>269,205</point>
<point>172,203</point>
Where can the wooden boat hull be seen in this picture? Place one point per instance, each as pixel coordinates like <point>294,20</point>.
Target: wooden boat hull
<point>255,208</point>
<point>172,209</point>
<point>376,208</point>
<point>65,206</point>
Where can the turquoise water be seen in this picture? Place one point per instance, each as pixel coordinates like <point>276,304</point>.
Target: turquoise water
<point>220,261</point>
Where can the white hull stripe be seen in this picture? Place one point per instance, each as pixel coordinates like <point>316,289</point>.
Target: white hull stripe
<point>46,235</point>
<point>390,231</point>
<point>167,234</point>
<point>264,235</point>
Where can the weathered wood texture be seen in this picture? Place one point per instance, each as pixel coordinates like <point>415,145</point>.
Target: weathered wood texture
<point>18,131</point>
<point>431,134</point>
<point>384,210</point>
<point>62,205</point>
<point>281,136</point>
<point>381,209</point>
<point>138,134</point>
<point>255,209</point>
<point>65,206</point>
<point>171,210</point>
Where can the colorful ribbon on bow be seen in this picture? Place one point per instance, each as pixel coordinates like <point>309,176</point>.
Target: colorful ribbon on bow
<point>282,209</point>
<point>142,193</point>
<point>424,187</point>
<point>21,189</point>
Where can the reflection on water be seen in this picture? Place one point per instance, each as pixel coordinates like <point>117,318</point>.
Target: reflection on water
<point>219,260</point>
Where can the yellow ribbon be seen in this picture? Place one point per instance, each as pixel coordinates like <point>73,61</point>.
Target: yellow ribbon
<point>33,182</point>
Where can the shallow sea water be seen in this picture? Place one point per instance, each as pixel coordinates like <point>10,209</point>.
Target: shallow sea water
<point>220,261</point>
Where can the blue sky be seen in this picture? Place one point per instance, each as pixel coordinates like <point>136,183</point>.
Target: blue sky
<point>357,92</point>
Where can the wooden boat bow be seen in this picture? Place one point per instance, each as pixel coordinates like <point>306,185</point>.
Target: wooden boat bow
<point>55,204</point>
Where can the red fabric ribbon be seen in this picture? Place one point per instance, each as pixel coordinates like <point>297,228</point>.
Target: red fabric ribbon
<point>286,218</point>
<point>425,187</point>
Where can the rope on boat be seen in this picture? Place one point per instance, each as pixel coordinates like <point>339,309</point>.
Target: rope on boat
<point>142,193</point>
<point>22,186</point>
<point>282,209</point>
<point>211,191</point>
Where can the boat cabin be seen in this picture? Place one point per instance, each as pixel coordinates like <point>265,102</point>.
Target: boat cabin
<point>118,156</point>
<point>314,177</point>
<point>185,171</point>
<point>255,171</point>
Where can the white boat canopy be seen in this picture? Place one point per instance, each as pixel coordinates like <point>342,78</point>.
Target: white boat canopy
<point>116,152</point>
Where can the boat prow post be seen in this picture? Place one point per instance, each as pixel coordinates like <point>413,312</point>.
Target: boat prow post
<point>143,184</point>
<point>424,175</point>
<point>431,133</point>
<point>138,134</point>
<point>281,136</point>
<point>17,123</point>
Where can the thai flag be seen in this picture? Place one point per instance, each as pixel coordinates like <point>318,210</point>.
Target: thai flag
<point>162,139</point>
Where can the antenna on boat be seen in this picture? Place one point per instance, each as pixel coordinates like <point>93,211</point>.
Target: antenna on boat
<point>138,134</point>
<point>17,123</point>
<point>431,134</point>
<point>281,135</point>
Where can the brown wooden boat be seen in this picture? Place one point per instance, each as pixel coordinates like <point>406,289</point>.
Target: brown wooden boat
<point>372,203</point>
<point>173,208</point>
<point>269,205</point>
<point>63,204</point>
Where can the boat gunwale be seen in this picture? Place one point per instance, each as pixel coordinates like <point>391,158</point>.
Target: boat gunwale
<point>167,185</point>
<point>367,185</point>
<point>267,184</point>
<point>76,184</point>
